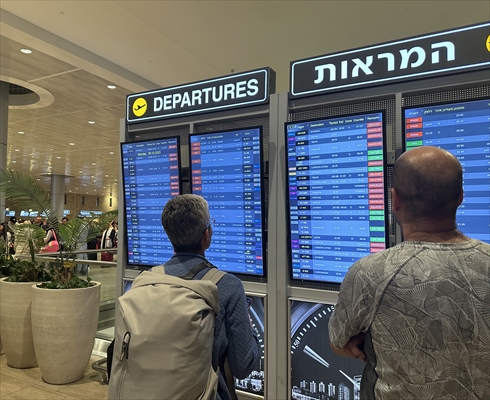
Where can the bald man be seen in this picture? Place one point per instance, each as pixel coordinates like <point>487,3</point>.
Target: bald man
<point>419,313</point>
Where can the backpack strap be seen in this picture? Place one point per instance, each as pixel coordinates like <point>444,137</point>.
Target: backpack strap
<point>214,274</point>
<point>159,269</point>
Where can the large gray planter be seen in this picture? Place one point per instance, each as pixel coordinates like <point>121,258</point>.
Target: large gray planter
<point>15,327</point>
<point>64,324</point>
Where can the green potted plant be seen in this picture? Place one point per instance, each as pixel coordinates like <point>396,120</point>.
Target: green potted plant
<point>16,298</point>
<point>65,310</point>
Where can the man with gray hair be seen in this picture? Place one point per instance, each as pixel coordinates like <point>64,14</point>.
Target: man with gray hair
<point>419,313</point>
<point>188,225</point>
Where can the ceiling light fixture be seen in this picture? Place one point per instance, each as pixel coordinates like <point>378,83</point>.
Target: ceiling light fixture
<point>20,132</point>
<point>94,163</point>
<point>17,150</point>
<point>58,157</point>
<point>111,152</point>
<point>72,144</point>
<point>91,122</point>
<point>111,87</point>
<point>26,51</point>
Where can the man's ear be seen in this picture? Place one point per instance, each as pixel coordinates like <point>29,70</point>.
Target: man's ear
<point>461,197</point>
<point>395,200</point>
<point>206,239</point>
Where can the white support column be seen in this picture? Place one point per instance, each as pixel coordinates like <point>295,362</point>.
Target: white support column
<point>4,118</point>
<point>58,195</point>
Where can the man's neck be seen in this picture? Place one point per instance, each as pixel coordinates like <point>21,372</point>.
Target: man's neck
<point>433,231</point>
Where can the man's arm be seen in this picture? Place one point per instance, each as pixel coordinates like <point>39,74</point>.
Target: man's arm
<point>354,348</point>
<point>243,345</point>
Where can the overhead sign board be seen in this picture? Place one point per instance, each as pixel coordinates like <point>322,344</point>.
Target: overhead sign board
<point>231,91</point>
<point>457,50</point>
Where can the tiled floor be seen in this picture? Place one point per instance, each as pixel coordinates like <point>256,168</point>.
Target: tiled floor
<point>27,384</point>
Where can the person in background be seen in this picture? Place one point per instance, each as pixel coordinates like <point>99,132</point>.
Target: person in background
<point>187,222</point>
<point>64,221</point>
<point>7,237</point>
<point>81,244</point>
<point>109,236</point>
<point>50,235</point>
<point>419,313</point>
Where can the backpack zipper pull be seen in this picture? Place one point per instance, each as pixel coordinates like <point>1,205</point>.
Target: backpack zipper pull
<point>125,347</point>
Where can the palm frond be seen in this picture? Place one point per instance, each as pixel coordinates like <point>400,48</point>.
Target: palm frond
<point>25,192</point>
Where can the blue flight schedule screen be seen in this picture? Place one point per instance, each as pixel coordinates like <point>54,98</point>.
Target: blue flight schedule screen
<point>226,171</point>
<point>337,209</point>
<point>463,129</point>
<point>151,178</point>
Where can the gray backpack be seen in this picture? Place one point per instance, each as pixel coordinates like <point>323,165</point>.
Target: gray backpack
<point>164,334</point>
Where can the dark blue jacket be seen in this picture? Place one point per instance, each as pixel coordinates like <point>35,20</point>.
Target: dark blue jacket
<point>233,335</point>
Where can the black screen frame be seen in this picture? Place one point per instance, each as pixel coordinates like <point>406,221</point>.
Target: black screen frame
<point>244,276</point>
<point>138,265</point>
<point>323,283</point>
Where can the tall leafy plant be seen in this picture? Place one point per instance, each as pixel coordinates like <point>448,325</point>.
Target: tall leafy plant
<point>26,193</point>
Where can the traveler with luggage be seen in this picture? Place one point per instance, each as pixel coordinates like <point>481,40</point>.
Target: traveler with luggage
<point>183,323</point>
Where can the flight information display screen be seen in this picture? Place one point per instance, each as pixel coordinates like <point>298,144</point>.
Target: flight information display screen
<point>151,178</point>
<point>226,170</point>
<point>337,195</point>
<point>463,129</point>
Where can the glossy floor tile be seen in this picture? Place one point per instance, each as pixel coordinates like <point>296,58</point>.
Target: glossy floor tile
<point>27,384</point>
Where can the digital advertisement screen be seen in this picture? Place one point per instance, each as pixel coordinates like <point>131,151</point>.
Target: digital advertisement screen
<point>9,213</point>
<point>254,383</point>
<point>151,178</point>
<point>337,194</point>
<point>226,170</point>
<point>316,371</point>
<point>463,129</point>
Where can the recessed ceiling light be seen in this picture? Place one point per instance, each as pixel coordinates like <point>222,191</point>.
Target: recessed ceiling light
<point>14,161</point>
<point>111,87</point>
<point>94,163</point>
<point>107,176</point>
<point>103,187</point>
<point>84,184</point>
<point>38,179</point>
<point>70,191</point>
<point>21,132</point>
<point>91,122</point>
<point>76,188</point>
<point>111,152</point>
<point>95,190</point>
<point>17,150</point>
<point>26,51</point>
<point>58,157</point>
<point>72,144</point>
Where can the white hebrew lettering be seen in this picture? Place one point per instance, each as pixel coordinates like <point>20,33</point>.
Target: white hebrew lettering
<point>321,76</point>
<point>450,51</point>
<point>362,65</point>
<point>343,70</point>
<point>406,57</point>
<point>390,58</point>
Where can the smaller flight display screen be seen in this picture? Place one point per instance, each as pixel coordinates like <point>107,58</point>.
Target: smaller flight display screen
<point>151,178</point>
<point>463,129</point>
<point>337,194</point>
<point>226,170</point>
<point>316,371</point>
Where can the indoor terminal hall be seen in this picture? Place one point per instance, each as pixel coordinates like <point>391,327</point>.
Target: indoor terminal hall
<point>287,118</point>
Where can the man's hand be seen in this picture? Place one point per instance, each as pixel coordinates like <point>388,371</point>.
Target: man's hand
<point>354,348</point>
